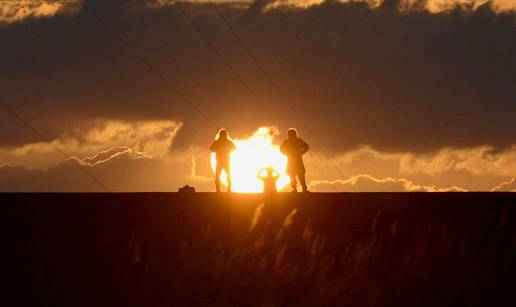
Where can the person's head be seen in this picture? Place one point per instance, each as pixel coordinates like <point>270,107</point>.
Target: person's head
<point>223,134</point>
<point>292,133</point>
<point>269,170</point>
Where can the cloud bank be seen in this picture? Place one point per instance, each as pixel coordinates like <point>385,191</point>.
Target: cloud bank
<point>506,186</point>
<point>394,81</point>
<point>125,168</point>
<point>100,138</point>
<point>434,6</point>
<point>368,183</point>
<point>12,11</point>
<point>423,97</point>
<point>124,156</point>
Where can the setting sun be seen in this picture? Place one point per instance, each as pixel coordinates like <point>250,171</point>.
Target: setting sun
<point>250,156</point>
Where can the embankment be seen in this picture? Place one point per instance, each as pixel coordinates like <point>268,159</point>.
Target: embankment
<point>349,249</point>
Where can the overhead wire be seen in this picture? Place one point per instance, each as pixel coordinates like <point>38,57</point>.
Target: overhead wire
<point>273,84</point>
<point>222,57</point>
<point>60,151</point>
<point>263,71</point>
<point>233,70</point>
<point>210,44</point>
<point>151,67</point>
<point>173,88</point>
<point>215,49</point>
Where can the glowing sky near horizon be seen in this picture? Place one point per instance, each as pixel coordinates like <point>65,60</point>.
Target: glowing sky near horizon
<point>251,155</point>
<point>390,98</point>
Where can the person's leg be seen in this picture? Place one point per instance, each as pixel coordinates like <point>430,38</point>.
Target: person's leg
<point>217,179</point>
<point>302,180</point>
<point>228,176</point>
<point>293,182</point>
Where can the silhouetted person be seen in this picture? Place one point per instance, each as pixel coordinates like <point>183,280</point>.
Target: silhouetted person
<point>294,148</point>
<point>222,148</point>
<point>269,176</point>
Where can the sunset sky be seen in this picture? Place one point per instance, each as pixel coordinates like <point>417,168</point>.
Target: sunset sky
<point>393,95</point>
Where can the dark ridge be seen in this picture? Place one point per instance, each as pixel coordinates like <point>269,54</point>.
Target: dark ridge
<point>347,249</point>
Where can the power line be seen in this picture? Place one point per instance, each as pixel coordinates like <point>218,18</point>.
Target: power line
<point>233,70</point>
<point>223,58</point>
<point>151,67</point>
<point>264,72</point>
<point>262,69</point>
<point>161,77</point>
<point>61,152</point>
<point>248,50</point>
<point>217,52</point>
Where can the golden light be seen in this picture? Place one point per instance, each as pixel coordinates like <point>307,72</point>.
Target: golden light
<point>250,156</point>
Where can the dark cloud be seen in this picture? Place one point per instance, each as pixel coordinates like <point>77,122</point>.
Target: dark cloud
<point>397,81</point>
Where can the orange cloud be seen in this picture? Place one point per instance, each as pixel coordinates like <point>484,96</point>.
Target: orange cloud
<point>482,160</point>
<point>13,11</point>
<point>506,186</point>
<point>107,155</point>
<point>139,138</point>
<point>368,183</point>
<point>479,161</point>
<point>106,143</point>
<point>196,178</point>
<point>476,168</point>
<point>120,172</point>
<point>434,6</point>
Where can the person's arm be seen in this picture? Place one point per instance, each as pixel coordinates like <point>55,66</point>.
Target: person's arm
<point>260,175</point>
<point>304,146</point>
<point>283,148</point>
<point>232,146</point>
<point>213,146</point>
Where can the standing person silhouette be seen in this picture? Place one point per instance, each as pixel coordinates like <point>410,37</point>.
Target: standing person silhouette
<point>222,147</point>
<point>294,148</point>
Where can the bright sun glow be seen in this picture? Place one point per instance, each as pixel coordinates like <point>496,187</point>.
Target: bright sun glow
<point>251,155</point>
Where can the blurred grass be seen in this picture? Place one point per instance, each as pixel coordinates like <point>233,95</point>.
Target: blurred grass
<point>167,249</point>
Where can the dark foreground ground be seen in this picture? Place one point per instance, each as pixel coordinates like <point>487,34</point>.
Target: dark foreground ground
<point>167,249</point>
